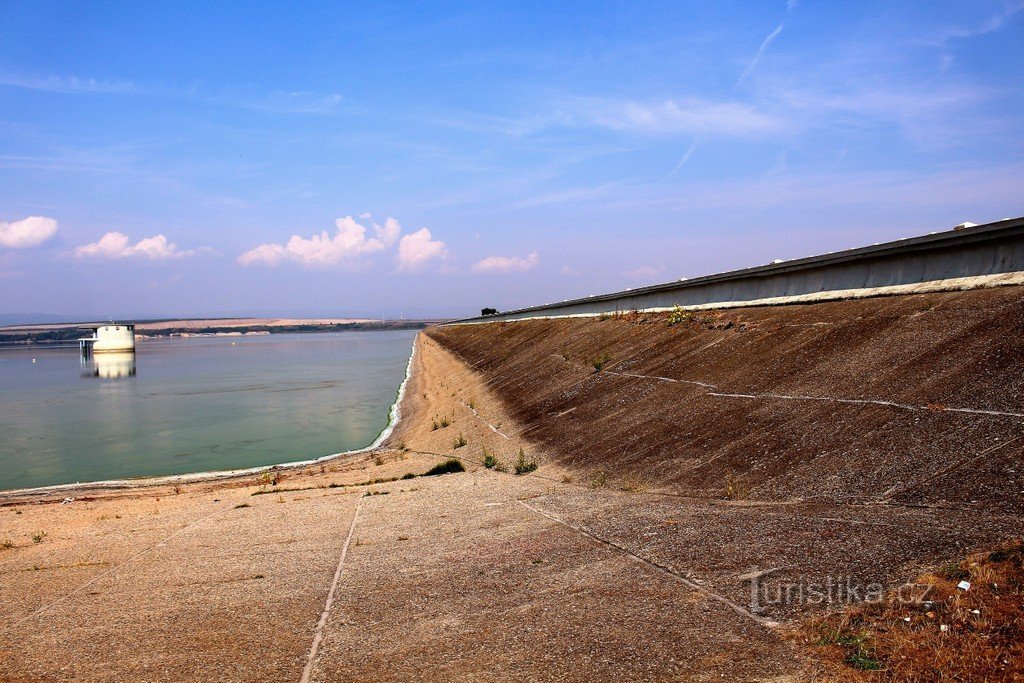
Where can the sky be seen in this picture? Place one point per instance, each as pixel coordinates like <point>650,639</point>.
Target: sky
<point>430,159</point>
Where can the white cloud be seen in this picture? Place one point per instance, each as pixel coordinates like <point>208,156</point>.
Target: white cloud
<point>26,233</point>
<point>506,264</point>
<point>416,249</point>
<point>116,245</point>
<point>349,242</point>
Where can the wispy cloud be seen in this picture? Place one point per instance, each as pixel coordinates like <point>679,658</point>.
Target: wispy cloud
<point>760,53</point>
<point>27,233</point>
<point>507,264</point>
<point>117,245</point>
<point>644,272</point>
<point>989,25</point>
<point>67,84</point>
<point>276,101</point>
<point>689,115</point>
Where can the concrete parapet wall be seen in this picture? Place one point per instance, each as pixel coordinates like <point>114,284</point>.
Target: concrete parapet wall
<point>979,256</point>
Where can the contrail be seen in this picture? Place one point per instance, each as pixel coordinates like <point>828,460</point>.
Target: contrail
<point>686,157</point>
<point>760,51</point>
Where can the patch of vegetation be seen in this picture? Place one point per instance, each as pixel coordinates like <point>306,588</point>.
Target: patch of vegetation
<point>734,489</point>
<point>459,442</point>
<point>938,631</point>
<point>599,480</point>
<point>377,493</point>
<point>242,505</point>
<point>449,466</point>
<point>679,315</point>
<point>272,478</point>
<point>524,466</point>
<point>378,461</point>
<point>6,544</point>
<point>490,462</point>
<point>598,362</point>
<point>38,536</point>
<point>408,475</point>
<point>488,311</point>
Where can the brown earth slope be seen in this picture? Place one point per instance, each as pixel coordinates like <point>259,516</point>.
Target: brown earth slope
<point>914,399</point>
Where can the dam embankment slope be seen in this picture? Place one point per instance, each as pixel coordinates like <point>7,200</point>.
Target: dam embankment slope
<point>914,399</point>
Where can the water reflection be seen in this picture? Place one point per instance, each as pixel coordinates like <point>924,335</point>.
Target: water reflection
<point>109,365</point>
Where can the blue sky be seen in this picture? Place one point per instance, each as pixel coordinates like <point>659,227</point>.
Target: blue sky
<point>219,159</point>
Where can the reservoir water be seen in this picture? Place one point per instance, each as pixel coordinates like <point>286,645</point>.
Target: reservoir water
<point>194,404</point>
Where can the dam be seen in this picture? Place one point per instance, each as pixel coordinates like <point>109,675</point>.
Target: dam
<point>625,467</point>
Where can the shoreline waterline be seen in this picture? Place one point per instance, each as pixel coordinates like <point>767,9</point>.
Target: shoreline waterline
<point>394,415</point>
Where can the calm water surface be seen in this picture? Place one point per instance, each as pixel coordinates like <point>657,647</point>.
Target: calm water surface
<point>194,404</point>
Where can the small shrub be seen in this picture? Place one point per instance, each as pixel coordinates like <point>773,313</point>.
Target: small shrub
<point>524,466</point>
<point>271,478</point>
<point>734,489</point>
<point>177,490</point>
<point>449,466</point>
<point>490,462</point>
<point>599,480</point>
<point>6,544</point>
<point>408,475</point>
<point>459,442</point>
<point>38,537</point>
<point>678,315</point>
<point>378,461</point>
<point>598,362</point>
<point>242,505</point>
<point>434,426</point>
<point>445,421</point>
